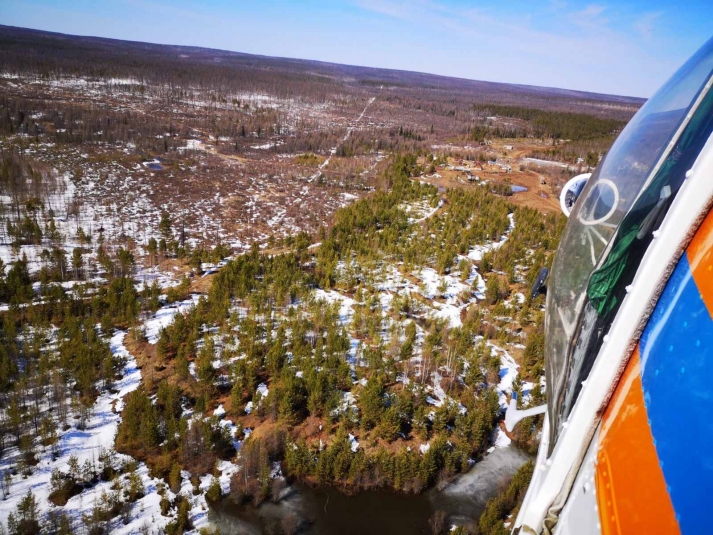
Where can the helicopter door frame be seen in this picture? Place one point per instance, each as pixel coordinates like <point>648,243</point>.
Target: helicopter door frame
<point>554,476</point>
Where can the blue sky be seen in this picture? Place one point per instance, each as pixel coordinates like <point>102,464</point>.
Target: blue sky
<point>616,47</point>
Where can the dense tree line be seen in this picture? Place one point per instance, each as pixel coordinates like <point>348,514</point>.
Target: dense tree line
<point>506,504</point>
<point>554,124</point>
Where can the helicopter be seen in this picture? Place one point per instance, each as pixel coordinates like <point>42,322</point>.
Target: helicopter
<point>627,440</point>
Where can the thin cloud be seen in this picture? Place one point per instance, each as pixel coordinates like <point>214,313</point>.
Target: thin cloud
<point>593,10</point>
<point>397,10</point>
<point>591,17</point>
<point>406,10</point>
<point>645,25</point>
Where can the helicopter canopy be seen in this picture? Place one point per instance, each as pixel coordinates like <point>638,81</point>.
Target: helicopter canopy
<point>611,225</point>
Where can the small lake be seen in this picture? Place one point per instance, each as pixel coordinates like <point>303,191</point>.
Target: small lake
<point>154,165</point>
<point>326,510</point>
<point>517,189</point>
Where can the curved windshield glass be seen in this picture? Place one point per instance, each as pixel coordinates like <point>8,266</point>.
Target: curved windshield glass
<point>610,227</point>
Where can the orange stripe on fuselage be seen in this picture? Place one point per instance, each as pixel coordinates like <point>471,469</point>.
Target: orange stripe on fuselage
<point>700,258</point>
<point>631,491</point>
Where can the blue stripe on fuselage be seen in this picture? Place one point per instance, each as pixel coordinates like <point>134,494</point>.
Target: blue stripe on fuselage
<point>677,375</point>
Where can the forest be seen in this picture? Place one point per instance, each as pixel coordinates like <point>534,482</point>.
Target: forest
<point>555,124</point>
<point>333,397</point>
<point>222,279</point>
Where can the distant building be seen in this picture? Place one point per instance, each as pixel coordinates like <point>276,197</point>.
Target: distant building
<point>508,147</point>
